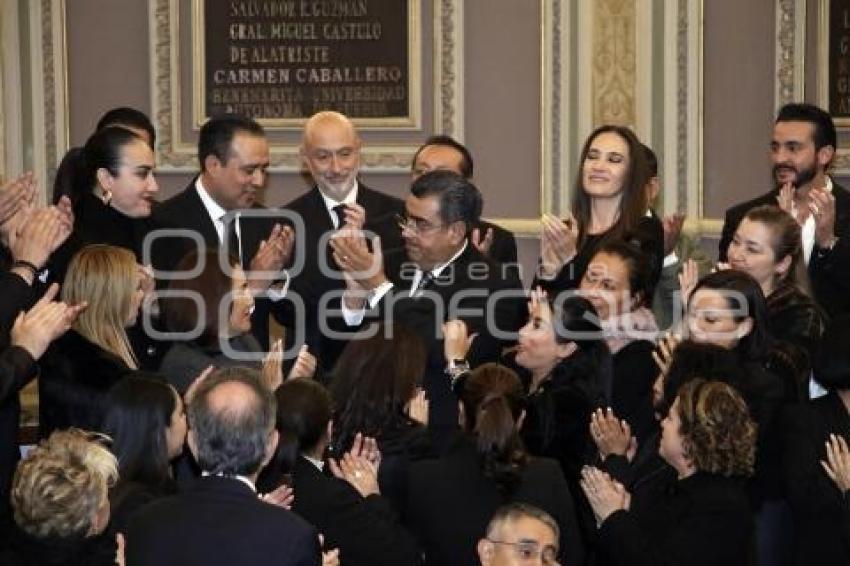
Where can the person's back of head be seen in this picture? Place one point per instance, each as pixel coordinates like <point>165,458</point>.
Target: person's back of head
<point>231,423</point>
<point>303,413</point>
<point>105,278</point>
<point>139,411</point>
<point>492,401</point>
<point>518,532</point>
<point>60,489</point>
<point>692,360</point>
<point>466,167</point>
<point>373,380</point>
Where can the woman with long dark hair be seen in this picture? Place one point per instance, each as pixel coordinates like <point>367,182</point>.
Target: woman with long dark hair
<point>609,203</point>
<point>450,500</point>
<point>374,384</point>
<point>146,421</point>
<point>348,509</point>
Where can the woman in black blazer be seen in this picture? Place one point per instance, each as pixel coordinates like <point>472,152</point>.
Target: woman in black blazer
<point>821,510</point>
<point>709,439</point>
<point>348,509</point>
<point>451,500</point>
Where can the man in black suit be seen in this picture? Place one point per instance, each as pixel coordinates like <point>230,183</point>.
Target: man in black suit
<point>802,149</point>
<point>518,530</point>
<point>221,519</point>
<point>219,207</point>
<point>439,276</point>
<point>445,153</point>
<point>330,151</point>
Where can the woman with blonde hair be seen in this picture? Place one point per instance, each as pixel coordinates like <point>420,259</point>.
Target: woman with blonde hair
<point>61,505</point>
<point>82,365</point>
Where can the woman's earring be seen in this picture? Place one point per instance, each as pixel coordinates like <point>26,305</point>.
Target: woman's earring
<point>106,196</point>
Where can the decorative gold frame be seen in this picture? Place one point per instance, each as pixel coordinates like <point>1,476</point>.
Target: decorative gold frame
<point>841,161</point>
<point>414,62</point>
<point>176,154</point>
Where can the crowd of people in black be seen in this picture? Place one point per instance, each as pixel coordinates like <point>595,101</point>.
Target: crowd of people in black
<point>358,379</point>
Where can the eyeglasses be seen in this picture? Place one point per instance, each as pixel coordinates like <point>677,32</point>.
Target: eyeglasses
<point>527,550</point>
<point>415,225</point>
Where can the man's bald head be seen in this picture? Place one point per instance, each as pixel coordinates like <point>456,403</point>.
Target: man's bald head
<point>330,149</point>
<point>231,421</point>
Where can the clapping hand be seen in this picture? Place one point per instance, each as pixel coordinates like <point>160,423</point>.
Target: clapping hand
<point>837,466</point>
<point>355,217</point>
<point>605,495</point>
<point>672,226</point>
<point>273,253</point>
<point>456,340</point>
<point>359,466</point>
<point>785,198</point>
<point>304,366</point>
<point>688,279</point>
<point>282,496</point>
<point>663,353</point>
<point>46,321</point>
<point>417,407</point>
<point>557,243</point>
<point>482,244</point>
<point>822,207</point>
<point>612,436</point>
<point>272,372</point>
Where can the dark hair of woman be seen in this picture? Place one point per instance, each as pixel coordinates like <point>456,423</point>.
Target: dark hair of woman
<point>638,266</point>
<point>633,204</point>
<point>587,371</point>
<point>304,410</point>
<point>373,380</point>
<point>138,412</point>
<point>755,345</point>
<point>492,399</point>
<point>787,240</point>
<point>102,151</point>
<point>212,284</point>
<point>693,360</point>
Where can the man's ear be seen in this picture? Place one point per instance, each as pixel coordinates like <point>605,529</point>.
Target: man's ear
<point>485,552</point>
<point>271,445</point>
<point>212,165</point>
<point>192,441</point>
<point>825,155</point>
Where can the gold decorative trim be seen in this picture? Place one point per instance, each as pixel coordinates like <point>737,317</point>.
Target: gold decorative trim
<point>790,51</point>
<point>176,154</point>
<point>614,62</point>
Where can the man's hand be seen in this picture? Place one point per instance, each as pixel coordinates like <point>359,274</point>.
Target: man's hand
<point>837,466</point>
<point>557,244</point>
<point>456,340</point>
<point>672,226</point>
<point>43,323</point>
<point>304,366</point>
<point>355,217</point>
<point>785,198</point>
<point>822,207</point>
<point>484,244</point>
<point>273,253</point>
<point>417,408</point>
<point>352,255</point>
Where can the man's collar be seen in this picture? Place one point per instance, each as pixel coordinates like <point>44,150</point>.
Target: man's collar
<point>438,269</point>
<point>350,198</point>
<point>237,477</point>
<point>214,209</point>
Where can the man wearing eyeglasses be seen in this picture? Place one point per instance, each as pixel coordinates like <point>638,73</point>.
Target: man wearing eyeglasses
<point>330,151</point>
<point>437,277</point>
<point>520,535</point>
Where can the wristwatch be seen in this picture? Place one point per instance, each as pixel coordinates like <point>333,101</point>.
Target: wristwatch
<point>457,367</point>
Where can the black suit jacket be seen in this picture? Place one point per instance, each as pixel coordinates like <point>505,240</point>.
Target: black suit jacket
<point>365,530</point>
<point>829,270</point>
<point>503,248</point>
<point>450,502</point>
<point>309,283</point>
<point>474,289</point>
<point>821,512</point>
<point>219,521</point>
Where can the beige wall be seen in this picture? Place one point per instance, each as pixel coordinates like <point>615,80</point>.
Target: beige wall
<point>108,59</point>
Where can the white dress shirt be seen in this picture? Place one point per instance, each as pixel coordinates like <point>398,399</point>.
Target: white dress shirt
<point>350,198</point>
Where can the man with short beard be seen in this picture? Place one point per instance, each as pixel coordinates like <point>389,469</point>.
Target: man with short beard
<point>802,149</point>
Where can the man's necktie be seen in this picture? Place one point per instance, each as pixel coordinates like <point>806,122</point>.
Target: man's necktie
<point>425,282</point>
<point>231,235</point>
<point>339,211</point>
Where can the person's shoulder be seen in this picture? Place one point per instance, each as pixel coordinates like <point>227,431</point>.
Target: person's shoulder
<point>305,200</point>
<point>173,208</point>
<point>741,208</point>
<point>374,197</point>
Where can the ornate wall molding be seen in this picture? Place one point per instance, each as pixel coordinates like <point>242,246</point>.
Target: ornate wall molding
<point>177,153</point>
<point>790,51</point>
<point>614,64</point>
